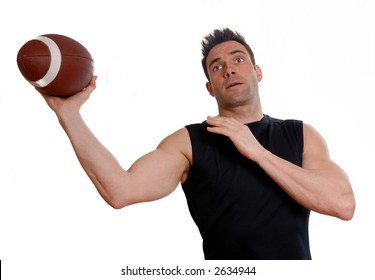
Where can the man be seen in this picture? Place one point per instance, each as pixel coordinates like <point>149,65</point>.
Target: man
<point>250,180</point>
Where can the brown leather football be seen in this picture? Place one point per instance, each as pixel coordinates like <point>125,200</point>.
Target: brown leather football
<point>55,64</point>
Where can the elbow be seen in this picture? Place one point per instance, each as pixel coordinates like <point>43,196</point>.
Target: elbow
<point>345,209</point>
<point>114,199</point>
<point>116,203</point>
<point>341,208</point>
<point>116,206</point>
<point>348,206</point>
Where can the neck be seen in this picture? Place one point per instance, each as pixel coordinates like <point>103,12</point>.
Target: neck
<point>245,114</point>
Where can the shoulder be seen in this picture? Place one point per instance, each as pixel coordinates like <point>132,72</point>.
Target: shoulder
<point>312,138</point>
<point>292,128</point>
<point>196,127</point>
<point>288,123</point>
<point>315,147</point>
<point>177,143</point>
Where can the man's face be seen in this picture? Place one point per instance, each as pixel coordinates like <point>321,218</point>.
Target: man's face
<point>233,77</point>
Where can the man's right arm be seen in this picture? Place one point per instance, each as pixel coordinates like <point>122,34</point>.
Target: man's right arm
<point>151,177</point>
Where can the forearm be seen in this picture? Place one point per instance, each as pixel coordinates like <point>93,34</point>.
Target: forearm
<point>100,165</point>
<point>325,190</point>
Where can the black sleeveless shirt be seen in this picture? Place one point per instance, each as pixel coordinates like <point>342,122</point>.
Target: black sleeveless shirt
<point>240,211</point>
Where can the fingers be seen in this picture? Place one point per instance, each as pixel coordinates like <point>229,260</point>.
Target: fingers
<point>92,85</point>
<point>222,121</point>
<point>74,101</point>
<point>239,133</point>
<point>93,81</point>
<point>226,126</point>
<point>213,120</point>
<point>221,125</point>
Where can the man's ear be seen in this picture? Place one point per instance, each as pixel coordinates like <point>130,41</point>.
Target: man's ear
<point>259,73</point>
<point>209,89</point>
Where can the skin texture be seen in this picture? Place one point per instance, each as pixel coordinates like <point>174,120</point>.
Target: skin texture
<point>320,184</point>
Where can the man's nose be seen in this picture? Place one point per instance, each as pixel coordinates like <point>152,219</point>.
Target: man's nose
<point>229,71</point>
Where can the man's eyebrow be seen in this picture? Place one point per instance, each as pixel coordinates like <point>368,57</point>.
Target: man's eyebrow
<point>237,51</point>
<point>213,61</point>
<point>231,53</point>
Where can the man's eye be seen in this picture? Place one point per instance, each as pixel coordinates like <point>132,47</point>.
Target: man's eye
<point>216,68</point>
<point>240,60</point>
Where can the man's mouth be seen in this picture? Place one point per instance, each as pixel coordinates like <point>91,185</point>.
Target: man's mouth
<point>233,84</point>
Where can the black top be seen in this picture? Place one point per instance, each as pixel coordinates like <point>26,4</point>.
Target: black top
<point>240,211</point>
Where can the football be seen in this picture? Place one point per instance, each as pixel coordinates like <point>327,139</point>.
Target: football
<point>55,64</point>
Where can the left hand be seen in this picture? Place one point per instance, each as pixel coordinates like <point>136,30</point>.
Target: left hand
<point>238,133</point>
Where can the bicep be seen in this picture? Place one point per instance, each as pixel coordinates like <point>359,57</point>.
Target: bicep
<point>333,192</point>
<point>158,173</point>
<point>316,154</point>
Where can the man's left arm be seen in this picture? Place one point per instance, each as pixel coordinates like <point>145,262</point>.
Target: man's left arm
<point>319,185</point>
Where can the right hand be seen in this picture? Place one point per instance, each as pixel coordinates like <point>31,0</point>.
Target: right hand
<point>74,102</point>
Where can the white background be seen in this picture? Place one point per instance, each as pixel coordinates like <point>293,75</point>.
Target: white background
<point>318,62</point>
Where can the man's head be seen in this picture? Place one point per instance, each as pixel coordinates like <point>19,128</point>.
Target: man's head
<point>231,71</point>
<point>217,37</point>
